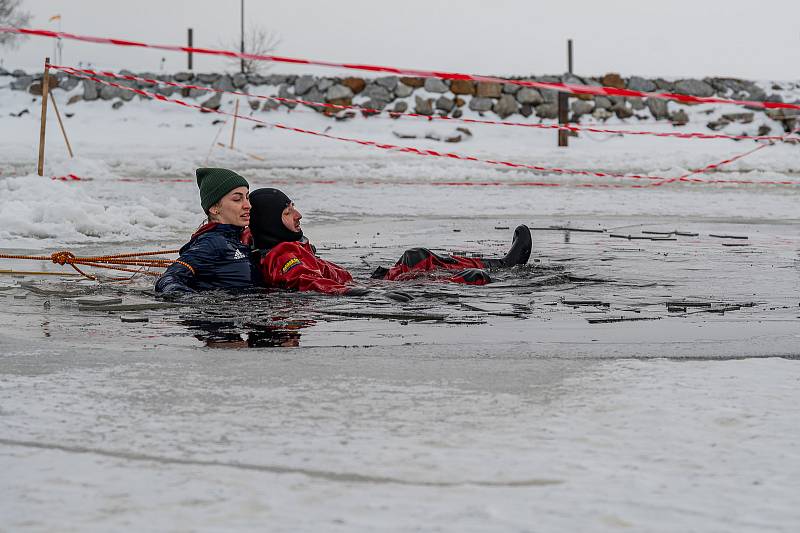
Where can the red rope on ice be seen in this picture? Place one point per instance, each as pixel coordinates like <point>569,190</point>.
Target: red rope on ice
<point>567,127</point>
<point>658,180</point>
<point>562,87</point>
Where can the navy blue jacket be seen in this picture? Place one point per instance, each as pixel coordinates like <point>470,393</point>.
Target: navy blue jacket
<point>214,258</point>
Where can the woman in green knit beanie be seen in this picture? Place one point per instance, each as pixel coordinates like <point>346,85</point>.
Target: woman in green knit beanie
<point>215,257</point>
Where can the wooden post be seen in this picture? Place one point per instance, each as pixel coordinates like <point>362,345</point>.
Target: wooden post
<point>563,103</point>
<point>61,125</point>
<point>235,117</point>
<point>43,126</point>
<point>191,45</point>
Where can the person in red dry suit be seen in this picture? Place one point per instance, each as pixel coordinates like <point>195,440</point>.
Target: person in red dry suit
<point>288,260</point>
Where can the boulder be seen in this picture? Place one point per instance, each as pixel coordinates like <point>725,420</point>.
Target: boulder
<point>239,80</point>
<point>74,99</point>
<point>458,113</point>
<point>581,107</point>
<point>459,102</point>
<point>530,96</point>
<point>413,82</point>
<point>488,89</point>
<point>716,125</point>
<point>270,105</point>
<point>637,104</point>
<point>637,83</point>
<point>389,82</point>
<point>256,79</point>
<point>224,83</point>
<point>744,118</point>
<point>612,79</point>
<point>506,106</point>
<point>191,93</point>
<point>663,85</point>
<point>338,91</point>
<point>462,87</point>
<point>254,104</point>
<point>354,84</point>
<point>435,85</point>
<point>166,90</point>
<point>400,107</point>
<point>208,78</point>
<point>694,88</point>
<point>679,117</point>
<point>108,92</point>
<point>314,95</point>
<point>622,111</point>
<point>285,92</point>
<point>68,83</point>
<point>402,90</point>
<point>90,90</point>
<point>480,104</point>
<point>444,103</point>
<point>602,114</point>
<point>21,83</point>
<point>526,110</point>
<point>378,105</point>
<point>213,103</point>
<point>511,88</point>
<point>547,110</point>
<point>183,77</point>
<point>378,92</point>
<point>127,96</point>
<point>602,102</point>
<point>424,106</point>
<point>548,96</point>
<point>304,84</point>
<point>275,79</point>
<point>658,108</point>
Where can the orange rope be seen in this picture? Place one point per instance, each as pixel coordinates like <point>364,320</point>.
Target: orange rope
<point>111,262</point>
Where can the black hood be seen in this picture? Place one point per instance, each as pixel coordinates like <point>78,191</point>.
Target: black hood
<point>267,206</point>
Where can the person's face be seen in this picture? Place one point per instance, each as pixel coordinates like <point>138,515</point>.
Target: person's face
<point>291,218</point>
<point>233,208</point>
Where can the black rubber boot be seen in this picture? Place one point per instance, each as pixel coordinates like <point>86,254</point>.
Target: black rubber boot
<point>519,253</point>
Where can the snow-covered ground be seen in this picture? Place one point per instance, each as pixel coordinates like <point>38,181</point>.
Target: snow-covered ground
<point>537,422</point>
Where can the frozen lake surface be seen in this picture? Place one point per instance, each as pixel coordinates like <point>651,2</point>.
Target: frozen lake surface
<point>614,383</point>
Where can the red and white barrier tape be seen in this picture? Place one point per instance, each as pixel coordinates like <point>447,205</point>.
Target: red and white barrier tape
<point>562,87</point>
<point>658,180</point>
<point>568,127</point>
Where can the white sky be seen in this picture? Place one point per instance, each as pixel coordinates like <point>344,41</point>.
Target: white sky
<point>506,37</point>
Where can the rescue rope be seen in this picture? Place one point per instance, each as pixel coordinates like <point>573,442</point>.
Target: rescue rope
<point>117,262</point>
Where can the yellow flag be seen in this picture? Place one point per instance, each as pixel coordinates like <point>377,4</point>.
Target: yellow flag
<point>54,17</point>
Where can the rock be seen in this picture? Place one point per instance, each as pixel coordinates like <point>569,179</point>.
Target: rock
<point>548,96</point>
<point>254,104</point>
<point>612,79</point>
<point>127,96</point>
<point>458,113</point>
<point>400,107</point>
<point>117,104</point>
<point>183,77</point>
<point>304,84</point>
<point>506,106</point>
<point>389,82</point>
<point>444,103</point>
<point>658,108</point>
<point>774,98</point>
<point>338,91</point>
<point>581,107</point>
<point>224,83</point>
<point>637,83</point>
<point>424,106</point>
<point>679,117</point>
<point>744,118</point>
<point>489,90</point>
<point>664,85</point>
<point>18,73</point>
<point>270,105</point>
<point>622,111</point>
<point>284,92</point>
<point>4,72</point>
<point>324,84</point>
<point>192,93</point>
<point>314,95</point>
<point>256,79</point>
<point>354,84</point>
<point>462,87</point>
<point>511,88</point>
<point>108,92</point>
<point>239,80</point>
<point>602,102</point>
<point>68,83</point>
<point>207,78</point>
<point>637,104</point>
<point>275,79</point>
<point>402,90</point>
<point>416,83</point>
<point>90,90</point>
<point>75,98</point>
<point>377,105</point>
<point>694,88</point>
<point>459,102</point>
<point>530,96</point>
<point>21,83</point>
<point>764,130</point>
<point>602,114</point>
<point>166,90</point>
<point>213,103</point>
<point>435,85</point>
<point>378,92</point>
<point>338,101</point>
<point>547,110</point>
<point>480,104</point>
<point>526,110</point>
<point>716,125</point>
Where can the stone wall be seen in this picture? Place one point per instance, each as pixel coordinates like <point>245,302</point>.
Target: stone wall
<point>438,97</point>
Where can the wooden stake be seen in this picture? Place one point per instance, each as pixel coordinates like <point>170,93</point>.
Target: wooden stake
<point>43,127</point>
<point>61,125</point>
<point>235,117</point>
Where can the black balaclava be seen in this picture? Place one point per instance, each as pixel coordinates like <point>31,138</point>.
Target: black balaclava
<point>267,206</point>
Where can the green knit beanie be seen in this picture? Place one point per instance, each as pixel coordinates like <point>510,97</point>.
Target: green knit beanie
<point>214,183</point>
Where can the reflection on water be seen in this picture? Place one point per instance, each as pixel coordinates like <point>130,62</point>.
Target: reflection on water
<point>228,335</point>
